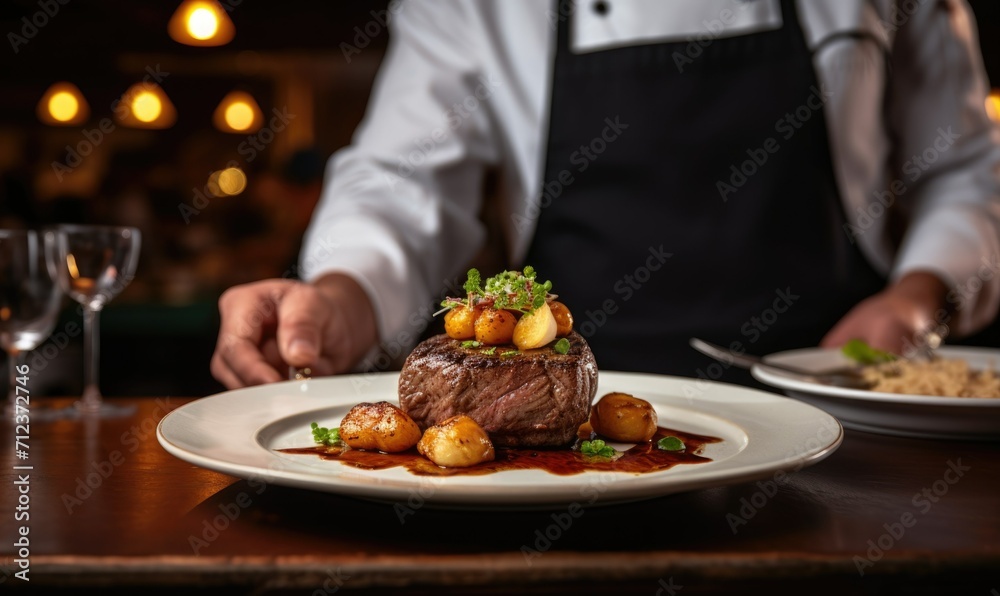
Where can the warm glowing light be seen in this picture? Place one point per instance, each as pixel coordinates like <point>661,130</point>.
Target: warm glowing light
<point>993,106</point>
<point>63,105</point>
<point>74,272</point>
<point>149,107</point>
<point>239,116</point>
<point>201,23</point>
<point>5,313</point>
<point>146,106</point>
<point>232,181</point>
<point>238,112</point>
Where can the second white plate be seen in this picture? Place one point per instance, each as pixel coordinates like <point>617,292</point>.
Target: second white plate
<point>925,416</point>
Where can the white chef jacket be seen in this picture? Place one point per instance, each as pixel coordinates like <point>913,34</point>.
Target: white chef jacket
<point>465,88</point>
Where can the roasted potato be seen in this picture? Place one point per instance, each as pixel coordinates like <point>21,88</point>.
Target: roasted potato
<point>564,319</point>
<point>622,417</point>
<point>380,426</point>
<point>460,322</point>
<point>458,442</point>
<point>536,329</point>
<point>495,327</point>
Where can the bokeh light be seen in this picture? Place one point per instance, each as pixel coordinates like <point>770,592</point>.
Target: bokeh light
<point>993,105</point>
<point>239,116</point>
<point>146,106</point>
<point>202,23</point>
<point>63,106</point>
<point>232,181</point>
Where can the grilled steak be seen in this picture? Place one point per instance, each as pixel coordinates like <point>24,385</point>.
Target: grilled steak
<point>537,398</point>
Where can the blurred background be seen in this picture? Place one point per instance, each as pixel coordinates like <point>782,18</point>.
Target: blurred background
<point>207,126</point>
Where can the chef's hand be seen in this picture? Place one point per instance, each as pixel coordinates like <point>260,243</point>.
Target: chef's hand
<point>891,319</point>
<point>267,326</point>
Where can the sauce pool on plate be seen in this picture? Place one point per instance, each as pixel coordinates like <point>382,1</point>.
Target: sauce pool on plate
<point>642,458</point>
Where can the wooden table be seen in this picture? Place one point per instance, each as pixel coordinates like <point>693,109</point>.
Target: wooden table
<point>111,511</point>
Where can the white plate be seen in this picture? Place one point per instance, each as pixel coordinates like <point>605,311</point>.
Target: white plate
<point>924,416</point>
<point>237,433</point>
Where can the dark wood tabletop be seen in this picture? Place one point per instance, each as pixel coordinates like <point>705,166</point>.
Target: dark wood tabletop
<point>110,511</point>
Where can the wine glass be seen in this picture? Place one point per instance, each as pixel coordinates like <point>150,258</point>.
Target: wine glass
<point>29,302</point>
<point>94,264</point>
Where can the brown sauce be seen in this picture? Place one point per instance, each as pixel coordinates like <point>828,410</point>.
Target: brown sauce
<point>643,458</point>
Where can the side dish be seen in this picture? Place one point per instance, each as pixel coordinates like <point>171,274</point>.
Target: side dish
<point>944,377</point>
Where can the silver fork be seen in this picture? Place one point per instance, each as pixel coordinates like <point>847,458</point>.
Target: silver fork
<point>847,378</point>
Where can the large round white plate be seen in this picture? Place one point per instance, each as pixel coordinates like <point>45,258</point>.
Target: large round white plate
<point>924,416</point>
<point>238,432</point>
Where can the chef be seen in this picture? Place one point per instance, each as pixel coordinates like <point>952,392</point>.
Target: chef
<point>764,174</point>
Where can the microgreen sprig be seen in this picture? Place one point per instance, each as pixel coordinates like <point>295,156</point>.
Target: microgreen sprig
<point>671,443</point>
<point>325,436</point>
<point>597,448</point>
<point>862,353</point>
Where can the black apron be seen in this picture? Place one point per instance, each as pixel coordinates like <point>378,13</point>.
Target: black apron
<point>694,203</point>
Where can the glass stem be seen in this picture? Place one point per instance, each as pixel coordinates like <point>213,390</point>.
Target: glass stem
<point>91,352</point>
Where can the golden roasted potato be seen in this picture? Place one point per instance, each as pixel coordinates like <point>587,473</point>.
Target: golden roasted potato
<point>564,318</point>
<point>380,426</point>
<point>495,327</point>
<point>622,417</point>
<point>460,322</point>
<point>536,329</point>
<point>458,442</point>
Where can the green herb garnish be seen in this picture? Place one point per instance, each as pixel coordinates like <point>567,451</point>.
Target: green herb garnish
<point>325,436</point>
<point>490,350</point>
<point>472,286</point>
<point>562,346</point>
<point>470,343</point>
<point>671,443</point>
<point>860,352</point>
<point>597,448</point>
<point>510,290</point>
<point>509,353</point>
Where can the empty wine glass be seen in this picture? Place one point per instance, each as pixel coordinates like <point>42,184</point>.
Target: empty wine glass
<point>94,264</point>
<point>29,302</point>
